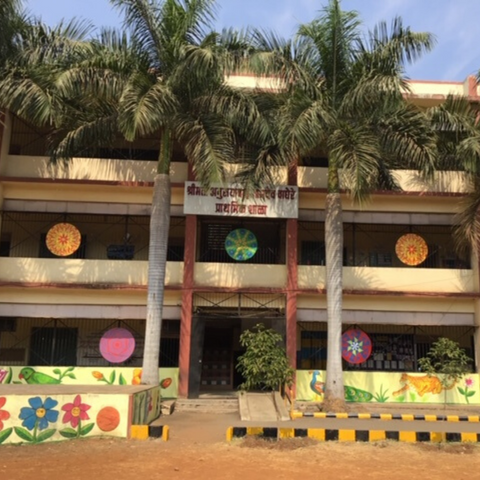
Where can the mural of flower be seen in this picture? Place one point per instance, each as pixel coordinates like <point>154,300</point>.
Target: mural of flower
<point>76,411</point>
<point>3,374</point>
<point>464,391</point>
<point>39,414</point>
<point>4,415</point>
<point>98,375</point>
<point>137,376</point>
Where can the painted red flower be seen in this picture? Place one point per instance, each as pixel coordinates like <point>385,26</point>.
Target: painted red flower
<point>76,411</point>
<point>4,415</point>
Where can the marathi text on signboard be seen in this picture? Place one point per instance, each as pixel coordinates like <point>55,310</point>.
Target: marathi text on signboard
<point>234,200</point>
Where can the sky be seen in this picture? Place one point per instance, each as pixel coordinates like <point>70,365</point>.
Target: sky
<point>453,22</point>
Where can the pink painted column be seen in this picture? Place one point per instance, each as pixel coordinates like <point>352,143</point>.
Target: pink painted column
<point>187,299</point>
<point>187,304</point>
<point>292,283</point>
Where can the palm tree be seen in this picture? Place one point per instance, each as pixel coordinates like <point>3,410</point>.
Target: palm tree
<point>345,97</point>
<point>167,78</point>
<point>12,22</point>
<point>456,125</point>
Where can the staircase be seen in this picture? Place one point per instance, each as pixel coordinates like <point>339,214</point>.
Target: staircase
<point>208,404</point>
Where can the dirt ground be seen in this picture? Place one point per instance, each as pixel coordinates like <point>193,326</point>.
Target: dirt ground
<point>197,451</point>
<point>105,459</point>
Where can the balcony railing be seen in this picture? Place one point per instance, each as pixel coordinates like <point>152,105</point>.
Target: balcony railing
<point>393,279</point>
<point>83,272</point>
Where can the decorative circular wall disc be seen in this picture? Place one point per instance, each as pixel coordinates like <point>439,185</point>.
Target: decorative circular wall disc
<point>411,249</point>
<point>356,346</point>
<point>117,345</point>
<point>241,244</point>
<point>63,239</point>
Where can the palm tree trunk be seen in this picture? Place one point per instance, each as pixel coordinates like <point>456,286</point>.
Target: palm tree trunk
<point>157,263</point>
<point>334,391</point>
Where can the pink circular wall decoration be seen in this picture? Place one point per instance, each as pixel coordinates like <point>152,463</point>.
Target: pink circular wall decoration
<point>117,345</point>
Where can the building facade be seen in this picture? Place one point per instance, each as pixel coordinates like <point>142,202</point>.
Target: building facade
<point>54,310</point>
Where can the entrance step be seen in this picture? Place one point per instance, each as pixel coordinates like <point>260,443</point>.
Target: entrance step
<point>208,405</point>
<point>262,407</point>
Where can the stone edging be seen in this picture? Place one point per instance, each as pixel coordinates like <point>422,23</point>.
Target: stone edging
<point>388,416</point>
<point>143,432</point>
<point>322,434</point>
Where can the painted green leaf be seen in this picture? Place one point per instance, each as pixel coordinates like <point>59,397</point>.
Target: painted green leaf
<point>470,394</point>
<point>68,433</point>
<point>9,375</point>
<point>461,390</point>
<point>86,429</point>
<point>122,380</point>
<point>46,434</point>
<point>112,377</point>
<point>23,434</point>
<point>57,371</point>
<point>16,382</point>
<point>72,376</point>
<point>69,369</point>
<point>5,434</point>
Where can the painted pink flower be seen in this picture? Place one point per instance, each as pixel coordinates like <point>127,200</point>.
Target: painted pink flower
<point>469,382</point>
<point>76,411</point>
<point>4,415</point>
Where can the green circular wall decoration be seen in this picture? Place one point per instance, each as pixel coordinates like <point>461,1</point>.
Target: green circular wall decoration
<point>241,244</point>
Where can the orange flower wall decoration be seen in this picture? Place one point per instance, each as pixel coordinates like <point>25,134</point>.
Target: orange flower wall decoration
<point>63,239</point>
<point>411,249</point>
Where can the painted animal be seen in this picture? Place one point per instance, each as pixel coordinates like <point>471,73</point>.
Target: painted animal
<point>316,385</point>
<point>37,378</point>
<point>352,394</point>
<point>422,384</point>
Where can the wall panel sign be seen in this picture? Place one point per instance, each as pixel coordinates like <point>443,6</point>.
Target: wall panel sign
<point>233,201</point>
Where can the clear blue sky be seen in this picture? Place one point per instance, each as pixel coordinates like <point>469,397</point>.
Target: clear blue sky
<point>454,23</point>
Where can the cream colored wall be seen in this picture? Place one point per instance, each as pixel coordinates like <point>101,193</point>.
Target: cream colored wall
<point>67,192</point>
<point>393,279</point>
<point>436,88</point>
<point>386,303</point>
<point>90,169</point>
<point>386,203</point>
<point>409,180</point>
<point>89,272</point>
<point>237,275</point>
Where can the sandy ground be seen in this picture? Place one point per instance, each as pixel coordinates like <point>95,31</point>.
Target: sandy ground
<point>102,459</point>
<point>197,451</point>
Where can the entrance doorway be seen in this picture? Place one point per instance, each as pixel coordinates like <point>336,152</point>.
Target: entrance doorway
<point>217,361</point>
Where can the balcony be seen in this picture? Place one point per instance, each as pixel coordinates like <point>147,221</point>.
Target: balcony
<point>23,166</point>
<point>409,180</point>
<point>453,281</point>
<point>83,272</point>
<point>228,275</point>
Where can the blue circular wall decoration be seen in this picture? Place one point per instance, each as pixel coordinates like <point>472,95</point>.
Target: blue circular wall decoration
<point>241,244</point>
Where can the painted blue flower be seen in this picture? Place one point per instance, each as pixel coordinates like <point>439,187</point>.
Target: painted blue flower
<point>40,412</point>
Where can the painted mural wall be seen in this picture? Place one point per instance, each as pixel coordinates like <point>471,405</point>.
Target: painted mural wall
<point>87,376</point>
<point>36,419</point>
<point>392,387</point>
<point>147,406</point>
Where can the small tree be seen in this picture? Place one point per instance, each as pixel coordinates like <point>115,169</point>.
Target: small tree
<point>264,365</point>
<point>447,359</point>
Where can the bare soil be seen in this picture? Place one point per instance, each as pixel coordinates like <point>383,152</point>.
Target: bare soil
<point>252,459</point>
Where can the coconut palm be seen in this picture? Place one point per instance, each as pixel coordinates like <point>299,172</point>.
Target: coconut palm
<point>346,98</point>
<point>456,124</point>
<point>167,79</point>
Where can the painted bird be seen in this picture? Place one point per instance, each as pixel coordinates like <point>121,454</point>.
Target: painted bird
<point>316,385</point>
<point>37,378</point>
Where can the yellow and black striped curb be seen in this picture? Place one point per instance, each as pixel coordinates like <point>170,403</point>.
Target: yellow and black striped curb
<point>388,416</point>
<point>322,434</point>
<point>143,432</point>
